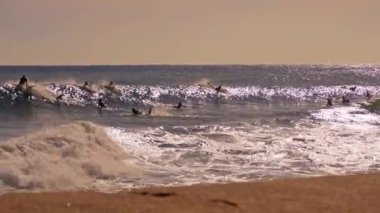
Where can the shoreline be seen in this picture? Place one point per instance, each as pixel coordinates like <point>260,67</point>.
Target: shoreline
<point>351,193</point>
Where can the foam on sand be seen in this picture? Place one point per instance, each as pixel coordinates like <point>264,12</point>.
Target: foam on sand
<point>69,157</point>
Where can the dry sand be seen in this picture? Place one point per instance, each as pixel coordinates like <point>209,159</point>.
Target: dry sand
<point>358,193</point>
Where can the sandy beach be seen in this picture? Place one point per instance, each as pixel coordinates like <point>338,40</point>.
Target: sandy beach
<point>356,193</point>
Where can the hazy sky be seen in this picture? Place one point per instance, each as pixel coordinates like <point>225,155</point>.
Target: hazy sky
<point>189,31</point>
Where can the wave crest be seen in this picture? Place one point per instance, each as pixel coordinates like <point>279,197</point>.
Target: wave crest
<point>143,94</point>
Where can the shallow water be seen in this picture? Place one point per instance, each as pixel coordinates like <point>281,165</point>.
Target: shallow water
<point>271,122</point>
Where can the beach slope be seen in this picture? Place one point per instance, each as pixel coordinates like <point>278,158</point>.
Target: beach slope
<point>356,193</point>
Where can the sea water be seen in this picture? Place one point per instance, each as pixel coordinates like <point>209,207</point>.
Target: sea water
<point>269,121</point>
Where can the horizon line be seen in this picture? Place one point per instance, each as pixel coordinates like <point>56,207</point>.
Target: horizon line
<point>188,64</point>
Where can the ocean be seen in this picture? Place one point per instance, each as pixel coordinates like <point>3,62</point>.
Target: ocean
<point>267,122</point>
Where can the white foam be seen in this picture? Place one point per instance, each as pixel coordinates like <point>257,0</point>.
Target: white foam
<point>69,157</point>
<point>77,95</point>
<point>188,155</point>
<point>348,115</point>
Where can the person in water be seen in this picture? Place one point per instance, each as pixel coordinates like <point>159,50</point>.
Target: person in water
<point>217,89</point>
<point>350,88</point>
<point>101,104</point>
<point>329,102</point>
<point>23,81</point>
<point>136,112</point>
<point>59,98</point>
<point>110,86</point>
<point>179,105</point>
<point>368,95</point>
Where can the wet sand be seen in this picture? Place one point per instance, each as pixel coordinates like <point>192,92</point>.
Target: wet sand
<point>357,193</point>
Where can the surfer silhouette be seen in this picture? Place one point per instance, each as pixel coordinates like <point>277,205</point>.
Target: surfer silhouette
<point>179,105</point>
<point>217,89</point>
<point>59,98</point>
<point>100,103</point>
<point>368,95</point>
<point>150,110</point>
<point>329,102</point>
<point>23,81</point>
<point>136,112</point>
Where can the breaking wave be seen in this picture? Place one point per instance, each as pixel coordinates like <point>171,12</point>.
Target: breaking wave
<point>73,156</point>
<point>337,140</point>
<point>143,94</point>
